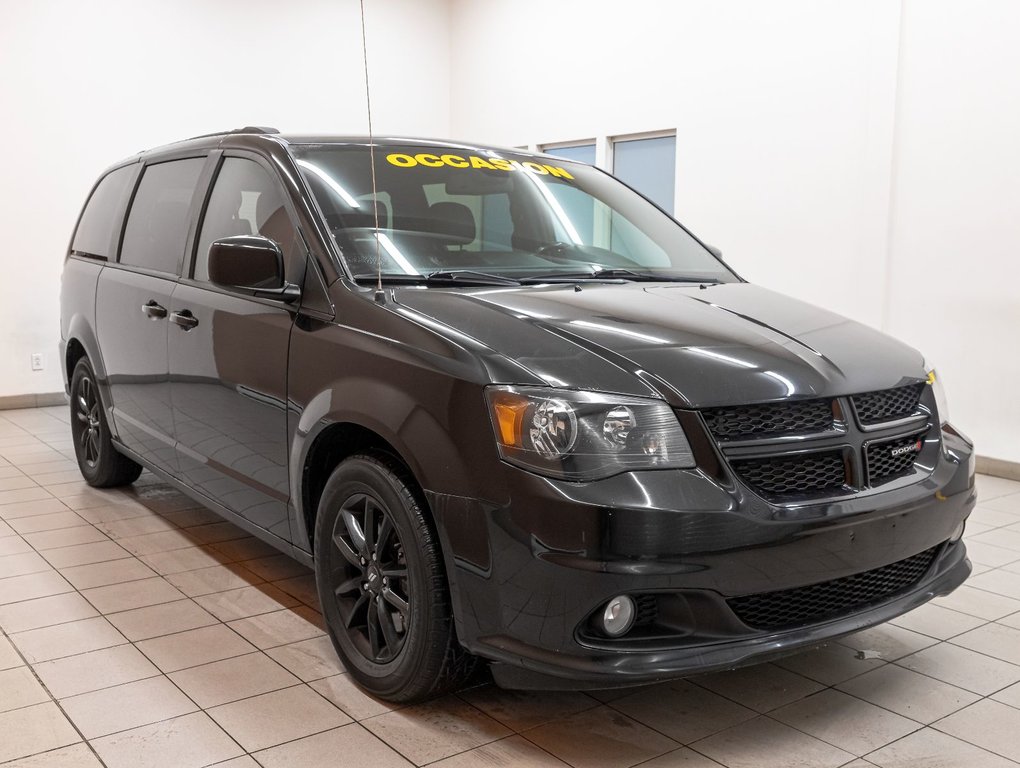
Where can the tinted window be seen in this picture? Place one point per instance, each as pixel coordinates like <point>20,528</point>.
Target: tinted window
<point>157,226</point>
<point>648,165</point>
<point>95,235</point>
<point>245,201</point>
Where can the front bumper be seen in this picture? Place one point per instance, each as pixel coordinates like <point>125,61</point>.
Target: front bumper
<point>527,575</point>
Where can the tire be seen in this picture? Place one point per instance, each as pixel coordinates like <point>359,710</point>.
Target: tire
<point>390,618</point>
<point>100,463</point>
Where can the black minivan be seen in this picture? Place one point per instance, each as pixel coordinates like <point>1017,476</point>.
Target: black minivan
<point>507,408</point>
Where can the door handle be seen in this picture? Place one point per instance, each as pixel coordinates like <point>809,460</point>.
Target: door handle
<point>153,310</point>
<point>184,319</point>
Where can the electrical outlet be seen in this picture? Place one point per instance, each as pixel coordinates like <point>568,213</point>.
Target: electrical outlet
<point>37,361</point>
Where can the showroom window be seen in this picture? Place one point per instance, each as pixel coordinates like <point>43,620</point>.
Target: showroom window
<point>95,233</point>
<point>157,226</point>
<point>245,201</point>
<point>649,166</point>
<point>583,153</point>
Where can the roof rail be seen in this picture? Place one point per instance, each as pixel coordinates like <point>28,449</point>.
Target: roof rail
<point>247,129</point>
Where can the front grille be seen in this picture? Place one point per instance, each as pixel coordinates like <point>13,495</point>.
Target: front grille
<point>817,602</point>
<point>883,465</point>
<point>801,474</point>
<point>887,405</point>
<point>765,420</point>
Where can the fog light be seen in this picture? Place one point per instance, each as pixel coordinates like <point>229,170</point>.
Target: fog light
<point>958,533</point>
<point>618,616</point>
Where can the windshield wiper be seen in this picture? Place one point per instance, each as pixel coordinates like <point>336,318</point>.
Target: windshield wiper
<point>617,273</point>
<point>445,277</point>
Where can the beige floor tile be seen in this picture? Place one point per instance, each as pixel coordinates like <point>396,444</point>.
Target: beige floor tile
<point>18,588</point>
<point>908,693</point>
<point>245,549</point>
<point>936,621</point>
<point>46,506</point>
<point>67,639</point>
<point>521,710</point>
<point>163,619</point>
<point>187,518</point>
<point>978,602</point>
<point>94,670</point>
<point>105,574</point>
<point>845,721</point>
<point>232,679</point>
<point>963,668</point>
<point>22,564</point>
<point>345,693</point>
<point>149,543</point>
<point>75,756</point>
<point>20,689</point>
<point>269,630</point>
<point>683,711</point>
<point>993,640</point>
<point>84,554</point>
<point>50,522</point>
<point>94,498</point>
<point>53,478</point>
<point>245,602</point>
<point>29,730</point>
<point>132,594</point>
<point>511,751</point>
<point>65,537</point>
<point>6,531</point>
<point>888,641</point>
<point>123,528</point>
<point>1010,695</point>
<point>180,560</point>
<point>310,659</point>
<point>831,664</point>
<point>991,487</point>
<point>985,553</point>
<point>244,761</point>
<point>274,718</point>
<point>215,532</point>
<point>9,657</point>
<point>766,743</point>
<point>22,494</point>
<point>194,647</point>
<point>12,544</point>
<point>127,706</point>
<point>276,567</point>
<point>107,512</point>
<point>988,724</point>
<point>437,729</point>
<point>301,588</point>
<point>16,482</point>
<point>322,749</point>
<point>190,741</point>
<point>219,578</point>
<point>45,612</point>
<point>762,687</point>
<point>928,748</point>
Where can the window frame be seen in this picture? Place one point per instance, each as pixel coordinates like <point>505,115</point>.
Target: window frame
<point>120,217</point>
<point>610,160</point>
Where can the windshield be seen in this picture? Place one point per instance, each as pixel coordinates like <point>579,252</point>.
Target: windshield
<point>447,211</point>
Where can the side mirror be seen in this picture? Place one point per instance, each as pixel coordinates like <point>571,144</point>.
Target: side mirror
<point>714,251</point>
<point>250,262</point>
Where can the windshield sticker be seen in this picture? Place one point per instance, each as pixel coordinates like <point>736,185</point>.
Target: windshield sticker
<point>430,160</point>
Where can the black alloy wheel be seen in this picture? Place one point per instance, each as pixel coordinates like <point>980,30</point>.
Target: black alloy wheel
<point>100,463</point>
<point>373,595</point>
<point>382,584</point>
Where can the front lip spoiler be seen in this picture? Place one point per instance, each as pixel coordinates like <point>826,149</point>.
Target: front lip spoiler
<point>521,666</point>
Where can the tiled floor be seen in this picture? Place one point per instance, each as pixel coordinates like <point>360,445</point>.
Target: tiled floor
<point>141,631</point>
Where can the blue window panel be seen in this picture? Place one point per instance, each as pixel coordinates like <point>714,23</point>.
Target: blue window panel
<point>648,165</point>
<point>583,154</point>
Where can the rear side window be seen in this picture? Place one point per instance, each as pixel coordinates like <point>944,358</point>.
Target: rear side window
<point>157,226</point>
<point>96,235</point>
<point>246,201</point>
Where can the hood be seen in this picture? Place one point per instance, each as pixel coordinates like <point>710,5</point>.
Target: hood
<point>718,345</point>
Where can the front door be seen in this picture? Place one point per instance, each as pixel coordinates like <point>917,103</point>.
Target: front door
<point>228,358</point>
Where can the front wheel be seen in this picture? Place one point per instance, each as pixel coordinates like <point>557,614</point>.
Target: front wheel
<point>100,463</point>
<point>379,572</point>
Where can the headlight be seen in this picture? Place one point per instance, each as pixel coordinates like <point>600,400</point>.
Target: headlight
<point>576,435</point>
<point>940,394</point>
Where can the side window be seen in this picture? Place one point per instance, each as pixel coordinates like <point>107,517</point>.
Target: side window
<point>157,226</point>
<point>246,201</point>
<point>95,233</point>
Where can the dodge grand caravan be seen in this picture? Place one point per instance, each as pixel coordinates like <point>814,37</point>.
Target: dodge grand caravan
<point>507,408</point>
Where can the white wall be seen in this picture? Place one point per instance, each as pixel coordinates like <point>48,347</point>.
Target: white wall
<point>863,156</point>
<point>86,84</point>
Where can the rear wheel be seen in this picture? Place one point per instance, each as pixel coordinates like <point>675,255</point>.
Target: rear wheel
<point>381,584</point>
<point>100,463</point>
